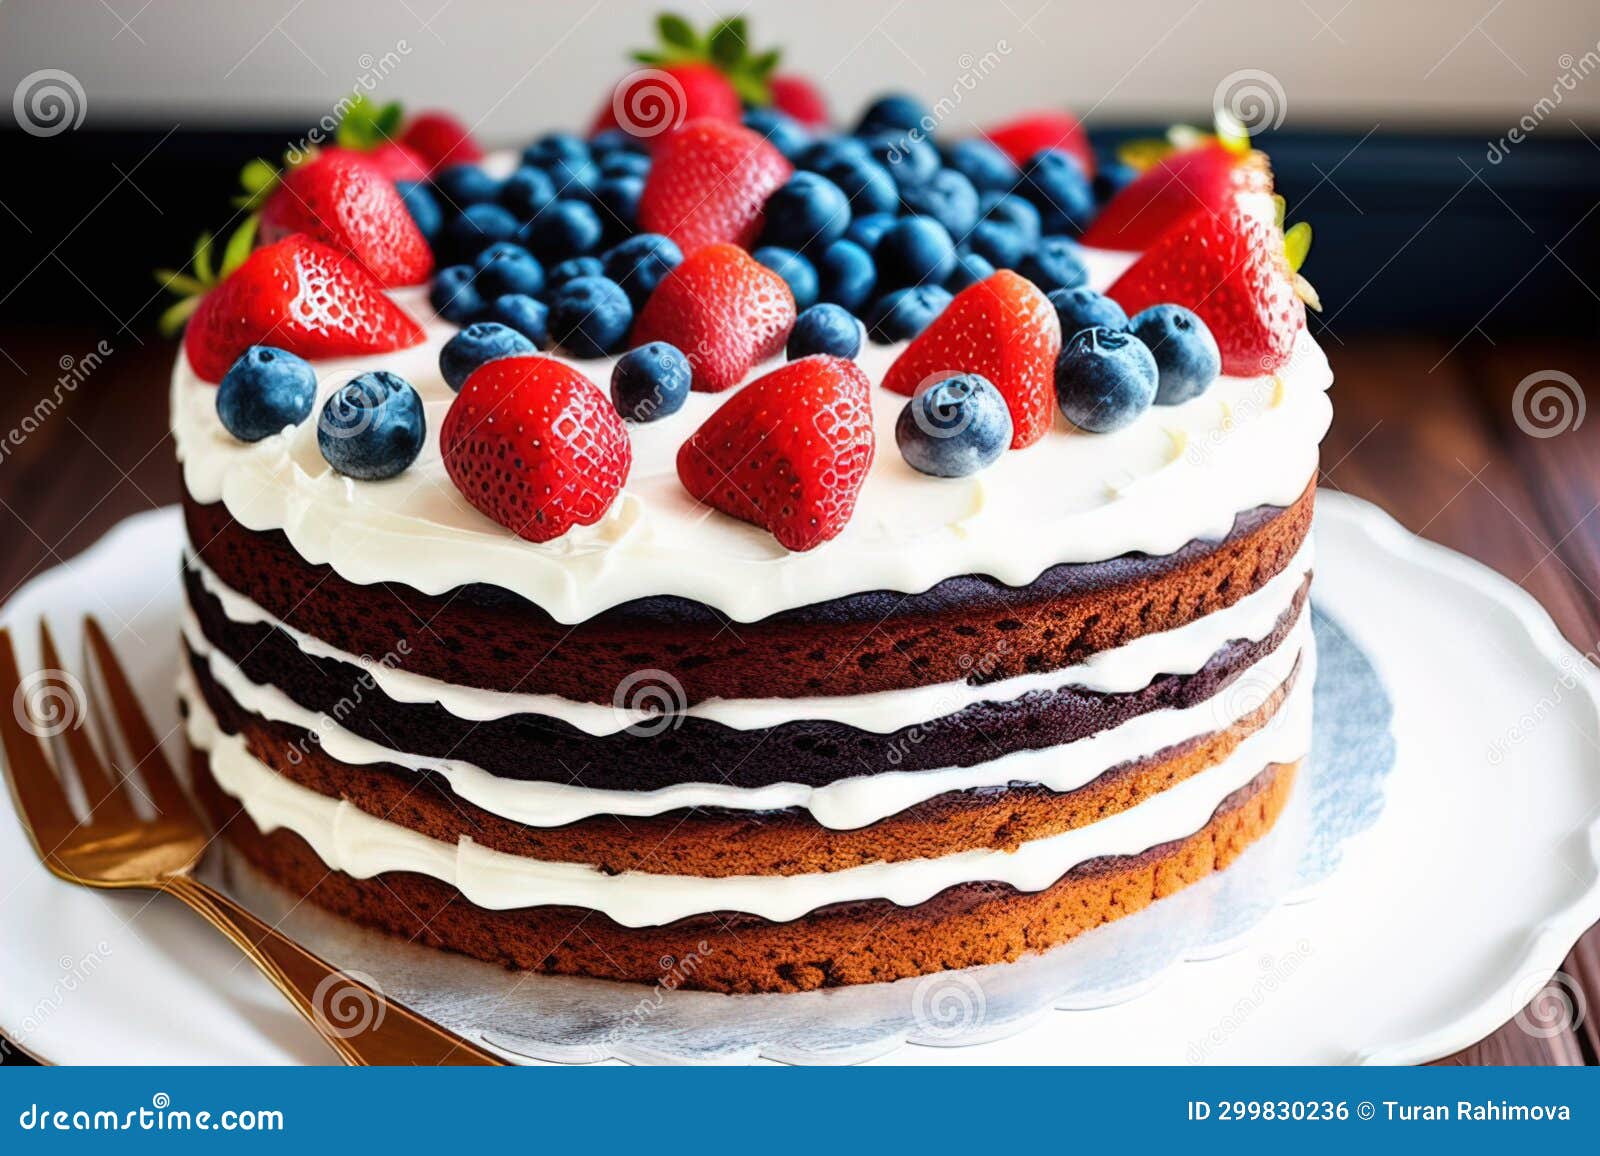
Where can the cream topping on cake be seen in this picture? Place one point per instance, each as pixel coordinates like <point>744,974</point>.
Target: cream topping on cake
<point>1176,474</point>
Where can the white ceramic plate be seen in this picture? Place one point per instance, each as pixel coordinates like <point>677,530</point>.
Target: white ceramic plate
<point>1446,917</point>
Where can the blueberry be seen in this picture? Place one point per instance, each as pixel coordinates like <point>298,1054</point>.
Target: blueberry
<point>621,164</point>
<point>614,142</point>
<point>1111,177</point>
<point>894,112</point>
<point>1003,246</point>
<point>423,207</point>
<point>372,427</point>
<point>573,177</point>
<point>916,250</point>
<point>564,229</point>
<point>867,231</point>
<point>454,296</point>
<point>527,191</point>
<point>846,275</point>
<point>787,135</point>
<point>1057,263</point>
<point>984,164</point>
<point>506,267</point>
<point>1083,308</point>
<point>651,381</point>
<point>1010,209</point>
<point>639,263</point>
<point>478,227</point>
<point>947,197</point>
<point>826,329</point>
<point>570,270</point>
<point>864,182</point>
<point>477,345</point>
<point>800,273</point>
<point>463,185</point>
<point>954,427</point>
<point>909,157</point>
<point>264,391</point>
<point>553,147</point>
<point>970,269</point>
<point>808,212</point>
<point>1186,353</point>
<point>1105,378</point>
<point>590,316</point>
<point>829,151</point>
<point>527,315</point>
<point>1058,188</point>
<point>616,200</point>
<point>901,315</point>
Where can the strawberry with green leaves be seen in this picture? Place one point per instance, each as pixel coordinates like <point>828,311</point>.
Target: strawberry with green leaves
<point>374,131</point>
<point>1200,178</point>
<point>709,183</point>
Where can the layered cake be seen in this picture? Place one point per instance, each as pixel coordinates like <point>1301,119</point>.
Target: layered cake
<point>781,556</point>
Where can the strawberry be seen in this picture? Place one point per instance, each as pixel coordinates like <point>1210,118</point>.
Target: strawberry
<point>373,131</point>
<point>533,444</point>
<point>708,183</point>
<point>653,101</point>
<point>339,197</point>
<point>397,162</point>
<point>440,140</point>
<point>800,98</point>
<point>1234,269</point>
<point>724,309</point>
<point>1023,136</point>
<point>1003,328</point>
<point>789,452</point>
<point>296,294</point>
<point>1188,181</point>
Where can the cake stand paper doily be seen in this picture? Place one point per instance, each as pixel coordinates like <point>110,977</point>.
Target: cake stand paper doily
<point>1340,794</point>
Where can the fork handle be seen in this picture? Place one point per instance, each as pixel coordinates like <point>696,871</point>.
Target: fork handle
<point>359,1023</point>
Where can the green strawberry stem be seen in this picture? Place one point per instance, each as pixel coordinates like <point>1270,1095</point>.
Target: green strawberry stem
<point>726,47</point>
<point>191,288</point>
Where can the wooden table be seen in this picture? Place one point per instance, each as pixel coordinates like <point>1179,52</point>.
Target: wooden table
<point>1425,431</point>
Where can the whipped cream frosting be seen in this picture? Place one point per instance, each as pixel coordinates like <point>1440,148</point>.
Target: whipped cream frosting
<point>842,805</point>
<point>1119,670</point>
<point>350,840</point>
<point>1176,474</point>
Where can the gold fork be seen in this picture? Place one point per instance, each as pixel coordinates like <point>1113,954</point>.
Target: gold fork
<point>113,846</point>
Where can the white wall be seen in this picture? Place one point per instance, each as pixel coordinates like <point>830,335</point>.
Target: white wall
<point>519,67</point>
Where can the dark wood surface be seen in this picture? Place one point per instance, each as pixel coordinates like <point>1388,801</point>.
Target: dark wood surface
<point>1424,430</point>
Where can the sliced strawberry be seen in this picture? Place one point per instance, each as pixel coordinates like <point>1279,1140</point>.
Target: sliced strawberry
<point>724,309</point>
<point>298,295</point>
<point>339,197</point>
<point>708,183</point>
<point>440,140</point>
<point>651,102</point>
<point>533,444</point>
<point>1232,270</point>
<point>1201,179</point>
<point>800,98</point>
<point>789,452</point>
<point>1023,136</point>
<point>1003,328</point>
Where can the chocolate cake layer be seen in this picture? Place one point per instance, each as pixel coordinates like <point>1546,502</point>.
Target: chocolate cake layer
<point>965,627</point>
<point>861,942</point>
<point>716,841</point>
<point>812,753</point>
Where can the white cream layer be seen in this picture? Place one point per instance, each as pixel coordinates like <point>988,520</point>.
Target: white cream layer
<point>1177,474</point>
<point>842,805</point>
<point>349,840</point>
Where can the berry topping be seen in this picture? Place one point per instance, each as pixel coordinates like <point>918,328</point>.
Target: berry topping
<point>708,184</point>
<point>894,112</point>
<point>343,200</point>
<point>264,392</point>
<point>970,269</point>
<point>505,267</point>
<point>947,197</point>
<point>372,427</point>
<point>901,315</point>
<point>563,229</point>
<point>478,227</point>
<point>1105,379</point>
<point>527,191</point>
<point>440,140</point>
<point>1004,329</point>
<point>1055,263</point>
<point>534,445</point>
<point>1186,182</point>
<point>914,251</point>
<point>1023,136</point>
<point>454,295</point>
<point>527,315</point>
<point>786,134</point>
<point>828,329</point>
<point>724,309</point>
<point>477,345</point>
<point>570,270</point>
<point>789,452</point>
<point>1231,269</point>
<point>1082,308</point>
<point>590,316</point>
<point>846,275</point>
<point>639,263</point>
<point>809,212</point>
<point>651,382</point>
<point>1056,185</point>
<point>954,426</point>
<point>798,273</point>
<point>799,98</point>
<point>1186,354</point>
<point>423,207</point>
<point>462,185</point>
<point>984,164</point>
